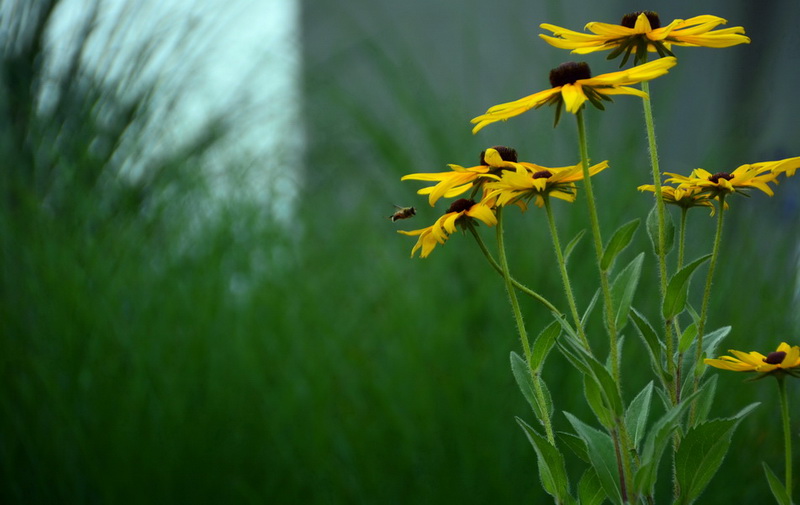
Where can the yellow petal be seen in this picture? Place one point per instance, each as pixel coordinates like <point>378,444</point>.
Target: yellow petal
<point>573,97</point>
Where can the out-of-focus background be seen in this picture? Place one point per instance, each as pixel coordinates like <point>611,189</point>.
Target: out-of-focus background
<point>202,299</point>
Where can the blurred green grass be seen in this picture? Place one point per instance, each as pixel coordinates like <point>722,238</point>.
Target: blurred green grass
<point>314,362</point>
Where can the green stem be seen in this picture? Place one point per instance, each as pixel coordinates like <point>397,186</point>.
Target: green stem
<point>661,214</point>
<point>533,294</point>
<point>562,265</point>
<point>681,246</point>
<point>523,334</point>
<point>598,247</point>
<point>787,433</point>
<point>622,455</point>
<point>707,294</point>
<point>682,237</point>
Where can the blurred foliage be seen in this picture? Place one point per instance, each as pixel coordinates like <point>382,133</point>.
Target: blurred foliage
<point>155,348</point>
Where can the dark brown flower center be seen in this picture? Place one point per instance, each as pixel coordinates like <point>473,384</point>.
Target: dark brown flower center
<point>629,20</point>
<point>461,205</point>
<point>568,73</point>
<point>543,174</point>
<point>775,358</point>
<point>720,175</point>
<point>506,153</point>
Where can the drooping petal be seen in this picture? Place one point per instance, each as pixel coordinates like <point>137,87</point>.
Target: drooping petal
<point>573,97</point>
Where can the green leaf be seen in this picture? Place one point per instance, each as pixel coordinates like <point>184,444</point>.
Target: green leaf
<point>637,413</point>
<point>601,454</point>
<point>589,366</point>
<point>590,308</point>
<point>543,344</point>
<point>651,341</point>
<point>575,443</point>
<point>701,453</point>
<point>608,385</point>
<point>619,241</point>
<point>678,287</point>
<point>623,289</point>
<point>552,472</point>
<point>571,246</point>
<point>655,443</point>
<point>652,230</point>
<point>525,382</point>
<point>775,485</point>
<point>590,491</point>
<point>594,397</point>
<point>704,399</point>
<point>711,342</point>
<point>689,334</point>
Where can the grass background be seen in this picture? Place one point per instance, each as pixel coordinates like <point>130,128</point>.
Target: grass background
<point>150,354</point>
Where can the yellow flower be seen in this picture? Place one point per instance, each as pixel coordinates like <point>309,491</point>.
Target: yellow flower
<point>685,198</point>
<point>459,179</point>
<point>745,177</point>
<point>440,231</point>
<point>573,85</point>
<point>784,359</point>
<point>534,181</point>
<point>640,32</point>
<point>788,166</point>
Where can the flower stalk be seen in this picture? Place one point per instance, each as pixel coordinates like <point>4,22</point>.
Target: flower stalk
<point>598,247</point>
<point>701,324</point>
<point>488,255</point>
<point>787,432</point>
<point>562,266</point>
<point>523,333</point>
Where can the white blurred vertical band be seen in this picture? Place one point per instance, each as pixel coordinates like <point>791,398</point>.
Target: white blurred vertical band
<point>235,60</point>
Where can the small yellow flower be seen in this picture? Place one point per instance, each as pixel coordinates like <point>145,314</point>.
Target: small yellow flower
<point>573,85</point>
<point>785,358</point>
<point>640,32</point>
<point>534,181</point>
<point>745,177</point>
<point>440,231</point>
<point>460,179</point>
<point>685,198</point>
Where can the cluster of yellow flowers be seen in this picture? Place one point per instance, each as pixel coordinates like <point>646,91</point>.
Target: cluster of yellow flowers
<point>499,179</point>
<point>701,187</point>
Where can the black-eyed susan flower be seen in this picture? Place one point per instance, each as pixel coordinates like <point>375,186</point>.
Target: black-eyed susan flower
<point>573,85</point>
<point>686,198</point>
<point>785,358</point>
<point>788,166</point>
<point>640,32</point>
<point>440,231</point>
<point>460,179</point>
<point>744,178</point>
<point>530,181</point>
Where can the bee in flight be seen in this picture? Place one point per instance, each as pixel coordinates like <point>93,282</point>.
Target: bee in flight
<point>403,213</point>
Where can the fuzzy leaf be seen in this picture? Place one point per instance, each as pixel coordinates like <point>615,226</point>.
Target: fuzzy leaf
<point>525,382</point>
<point>552,472</point>
<point>594,397</point>
<point>590,491</point>
<point>571,246</point>
<point>652,230</point>
<point>654,445</point>
<point>601,453</point>
<point>623,289</point>
<point>678,287</point>
<point>619,241</point>
<point>543,344</point>
<point>701,453</point>
<point>575,443</point>
<point>775,485</point>
<point>637,413</point>
<point>651,341</point>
